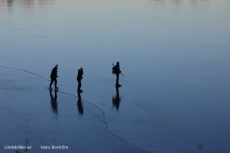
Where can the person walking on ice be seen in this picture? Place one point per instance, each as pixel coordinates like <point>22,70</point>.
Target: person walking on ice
<point>79,78</point>
<point>53,77</point>
<point>117,71</point>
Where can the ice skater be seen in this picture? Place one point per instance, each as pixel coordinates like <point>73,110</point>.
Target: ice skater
<point>53,77</point>
<point>117,71</point>
<point>79,78</point>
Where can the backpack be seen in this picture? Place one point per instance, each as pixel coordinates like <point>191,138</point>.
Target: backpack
<point>114,69</point>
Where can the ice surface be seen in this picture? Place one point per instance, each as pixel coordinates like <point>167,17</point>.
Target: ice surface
<point>174,56</point>
<point>30,111</point>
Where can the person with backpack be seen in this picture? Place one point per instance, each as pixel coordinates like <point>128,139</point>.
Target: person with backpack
<point>53,77</point>
<point>117,71</point>
<point>79,78</point>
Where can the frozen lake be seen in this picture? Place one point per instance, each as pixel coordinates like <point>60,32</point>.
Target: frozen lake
<point>174,55</point>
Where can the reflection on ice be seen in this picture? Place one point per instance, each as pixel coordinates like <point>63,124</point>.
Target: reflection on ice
<point>79,103</point>
<point>116,100</point>
<point>27,115</point>
<point>53,100</point>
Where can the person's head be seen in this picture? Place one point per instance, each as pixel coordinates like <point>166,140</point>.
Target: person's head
<point>56,66</point>
<point>118,63</point>
<point>81,69</point>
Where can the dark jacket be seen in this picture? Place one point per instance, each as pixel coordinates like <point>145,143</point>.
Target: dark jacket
<point>79,75</point>
<point>117,69</point>
<point>53,74</point>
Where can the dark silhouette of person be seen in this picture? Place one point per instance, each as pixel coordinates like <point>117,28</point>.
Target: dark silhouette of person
<point>116,100</point>
<point>79,103</point>
<point>53,100</point>
<point>53,77</point>
<point>79,78</point>
<point>117,72</point>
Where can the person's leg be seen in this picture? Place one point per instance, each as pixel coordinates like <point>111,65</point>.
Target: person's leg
<point>51,82</point>
<point>79,84</point>
<point>117,80</point>
<point>55,81</point>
